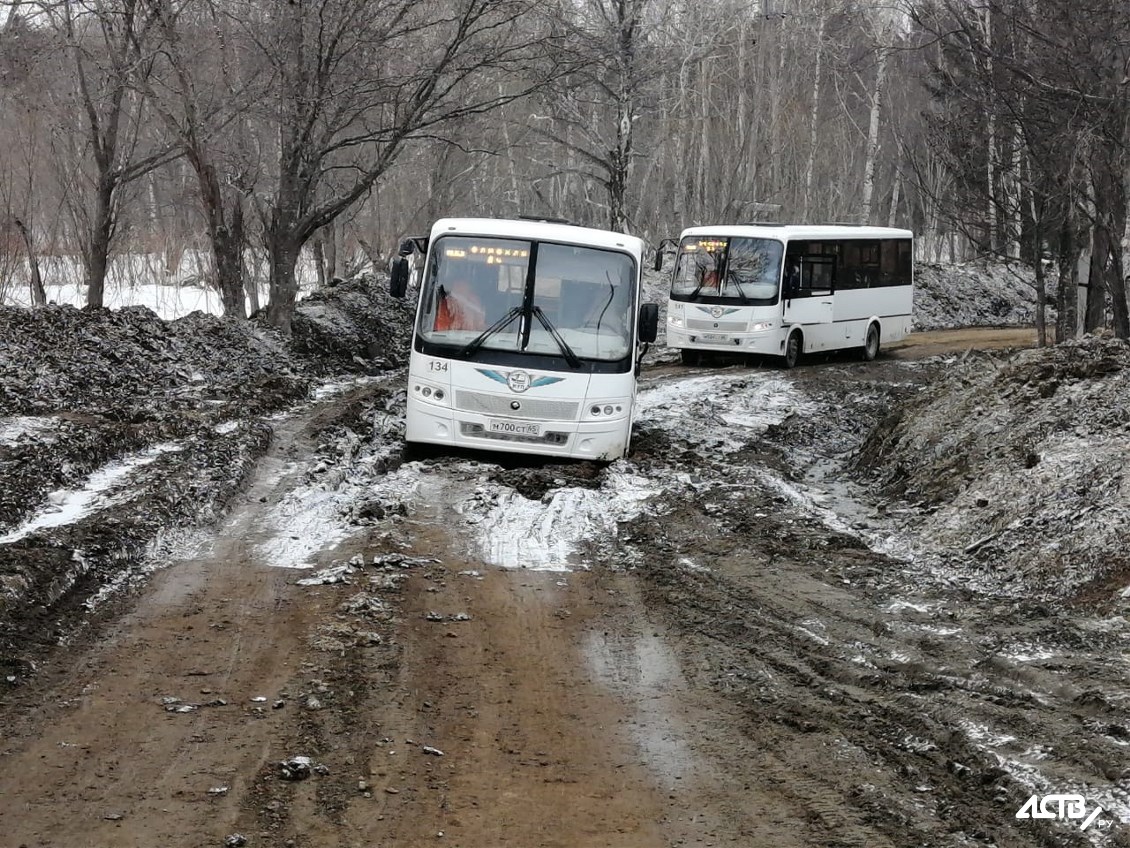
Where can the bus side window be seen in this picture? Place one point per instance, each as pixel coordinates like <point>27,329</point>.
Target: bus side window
<point>792,281</point>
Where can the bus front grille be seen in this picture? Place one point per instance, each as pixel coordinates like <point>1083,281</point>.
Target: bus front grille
<point>723,326</point>
<point>530,408</point>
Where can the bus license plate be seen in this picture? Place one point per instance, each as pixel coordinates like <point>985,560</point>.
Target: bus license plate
<point>514,428</point>
<point>714,337</point>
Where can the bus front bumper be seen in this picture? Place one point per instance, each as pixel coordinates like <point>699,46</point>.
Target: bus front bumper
<point>766,342</point>
<point>604,440</point>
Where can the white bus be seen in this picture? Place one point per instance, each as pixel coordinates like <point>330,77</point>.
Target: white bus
<point>787,290</point>
<point>528,337</point>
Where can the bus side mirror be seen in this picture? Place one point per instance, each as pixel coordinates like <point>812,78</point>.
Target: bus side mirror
<point>649,322</point>
<point>663,243</point>
<point>398,277</point>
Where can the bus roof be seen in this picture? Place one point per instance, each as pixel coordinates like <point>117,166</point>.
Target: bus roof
<point>793,232</point>
<point>538,231</point>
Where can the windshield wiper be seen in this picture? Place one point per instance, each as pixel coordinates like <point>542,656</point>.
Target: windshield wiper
<point>741,292</point>
<point>497,327</point>
<point>570,357</point>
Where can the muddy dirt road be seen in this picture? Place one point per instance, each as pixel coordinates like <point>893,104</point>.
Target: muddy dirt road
<point>719,642</point>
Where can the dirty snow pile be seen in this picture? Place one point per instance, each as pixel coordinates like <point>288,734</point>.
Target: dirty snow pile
<point>975,294</point>
<point>117,428</point>
<point>1020,467</point>
<point>354,321</point>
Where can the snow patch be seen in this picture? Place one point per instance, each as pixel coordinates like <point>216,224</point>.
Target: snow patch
<point>15,428</point>
<point>67,506</point>
<point>703,409</point>
<point>515,532</point>
<point>307,521</point>
<point>314,518</point>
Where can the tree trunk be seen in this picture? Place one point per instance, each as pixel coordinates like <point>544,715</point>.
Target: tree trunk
<point>896,191</point>
<point>1035,213</point>
<point>318,249</point>
<point>1041,288</point>
<point>225,231</point>
<point>97,253</point>
<point>227,250</point>
<point>990,140</point>
<point>1013,195</point>
<point>35,280</point>
<point>329,248</point>
<point>1067,297</point>
<point>1094,312</point>
<point>873,135</point>
<point>813,115</point>
<point>282,253</point>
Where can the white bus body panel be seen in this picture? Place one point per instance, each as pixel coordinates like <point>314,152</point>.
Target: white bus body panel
<point>477,409</point>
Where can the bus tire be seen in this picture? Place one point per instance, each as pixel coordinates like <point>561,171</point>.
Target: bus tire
<point>691,357</point>
<point>794,349</point>
<point>871,342</point>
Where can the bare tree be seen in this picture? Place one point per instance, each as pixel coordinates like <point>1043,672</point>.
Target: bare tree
<point>106,147</point>
<point>1068,109</point>
<point>611,51</point>
<point>202,94</point>
<point>354,81</point>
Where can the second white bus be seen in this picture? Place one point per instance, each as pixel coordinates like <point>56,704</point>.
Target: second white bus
<point>788,290</point>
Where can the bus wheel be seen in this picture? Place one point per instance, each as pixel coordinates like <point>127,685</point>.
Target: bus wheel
<point>793,349</point>
<point>871,343</point>
<point>691,357</point>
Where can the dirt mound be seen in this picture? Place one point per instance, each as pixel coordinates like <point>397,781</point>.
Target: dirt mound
<point>1019,466</point>
<point>119,429</point>
<point>354,319</point>
<point>975,294</point>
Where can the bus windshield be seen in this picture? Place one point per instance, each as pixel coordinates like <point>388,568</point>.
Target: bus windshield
<point>743,270</point>
<point>580,302</point>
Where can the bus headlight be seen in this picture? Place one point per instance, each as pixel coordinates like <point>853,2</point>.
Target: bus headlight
<point>675,321</point>
<point>430,392</point>
<point>606,410</point>
<point>760,326</point>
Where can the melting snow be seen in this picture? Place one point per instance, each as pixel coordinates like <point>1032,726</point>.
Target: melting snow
<point>515,532</point>
<point>69,505</point>
<point>721,402</point>
<point>307,521</point>
<point>313,518</point>
<point>12,429</point>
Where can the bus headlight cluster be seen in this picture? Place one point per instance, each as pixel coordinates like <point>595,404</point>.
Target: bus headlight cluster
<point>676,321</point>
<point>759,326</point>
<point>430,393</point>
<point>605,409</point>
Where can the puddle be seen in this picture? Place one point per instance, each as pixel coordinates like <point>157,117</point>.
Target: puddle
<point>645,672</point>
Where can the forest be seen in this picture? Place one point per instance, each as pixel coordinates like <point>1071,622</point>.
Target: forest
<point>250,133</point>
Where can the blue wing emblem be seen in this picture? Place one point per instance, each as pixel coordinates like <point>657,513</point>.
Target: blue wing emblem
<point>518,381</point>
<point>494,375</point>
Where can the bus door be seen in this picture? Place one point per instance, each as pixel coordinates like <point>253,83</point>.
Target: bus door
<point>808,296</point>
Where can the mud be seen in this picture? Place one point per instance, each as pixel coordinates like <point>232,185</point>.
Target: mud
<point>727,639</point>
